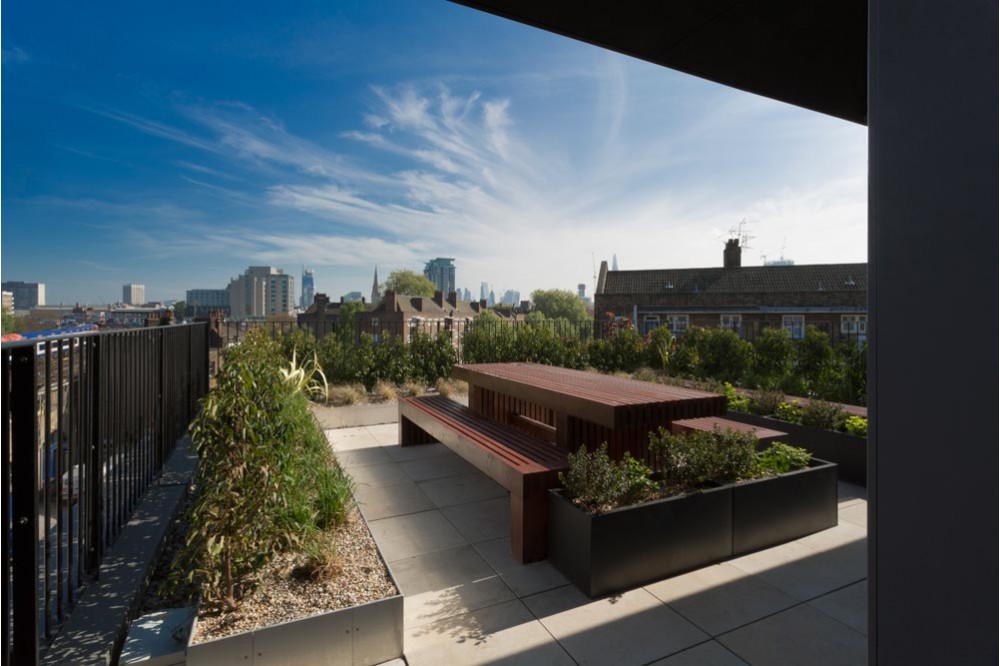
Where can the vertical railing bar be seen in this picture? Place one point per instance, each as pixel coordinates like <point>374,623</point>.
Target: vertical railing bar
<point>96,463</point>
<point>59,476</point>
<point>70,537</point>
<point>47,433</point>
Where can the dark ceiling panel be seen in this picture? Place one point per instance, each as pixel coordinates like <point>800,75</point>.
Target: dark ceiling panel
<point>810,53</point>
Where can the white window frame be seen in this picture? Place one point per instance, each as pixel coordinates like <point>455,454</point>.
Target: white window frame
<point>795,325</point>
<point>677,323</point>
<point>734,323</point>
<point>854,324</point>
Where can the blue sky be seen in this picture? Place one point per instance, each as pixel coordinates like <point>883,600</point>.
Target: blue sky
<point>174,144</point>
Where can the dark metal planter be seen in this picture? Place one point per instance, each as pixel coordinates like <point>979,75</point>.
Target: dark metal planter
<point>772,511</point>
<point>850,452</point>
<point>630,546</point>
<point>627,547</point>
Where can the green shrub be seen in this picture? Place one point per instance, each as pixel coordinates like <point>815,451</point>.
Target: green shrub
<point>685,360</point>
<point>599,484</point>
<point>431,358</point>
<point>856,425</point>
<point>694,459</point>
<point>766,403</point>
<point>781,458</point>
<point>821,414</point>
<point>266,478</point>
<point>789,411</point>
<point>333,358</point>
<point>814,359</point>
<point>296,341</point>
<point>488,339</point>
<point>735,401</point>
<point>659,344</point>
<point>360,362</point>
<point>622,351</point>
<point>773,357</point>
<point>724,356</point>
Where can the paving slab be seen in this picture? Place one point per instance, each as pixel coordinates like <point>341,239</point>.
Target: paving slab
<point>848,605</point>
<point>414,534</point>
<point>629,628</point>
<point>350,438</point>
<point>706,654</point>
<point>720,598</point>
<point>461,489</point>
<point>378,475</point>
<point>482,520</point>
<point>418,452</point>
<point>503,634</point>
<point>806,573</point>
<point>436,467</point>
<point>447,583</point>
<point>388,501</point>
<point>361,457</point>
<point>799,635</point>
<point>855,513</point>
<point>849,493</point>
<point>523,579</point>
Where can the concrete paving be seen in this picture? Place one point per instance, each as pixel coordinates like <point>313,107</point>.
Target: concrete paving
<point>442,527</point>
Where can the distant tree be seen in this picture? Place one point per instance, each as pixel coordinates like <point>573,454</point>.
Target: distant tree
<point>560,304</point>
<point>180,310</point>
<point>347,321</point>
<point>409,283</point>
<point>12,323</point>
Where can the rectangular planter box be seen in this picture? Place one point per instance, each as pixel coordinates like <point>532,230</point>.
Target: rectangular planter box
<point>772,511</point>
<point>627,547</point>
<point>630,546</point>
<point>850,452</point>
<point>362,635</point>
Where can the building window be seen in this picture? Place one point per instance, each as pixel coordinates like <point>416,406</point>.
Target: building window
<point>649,322</point>
<point>731,321</point>
<point>795,325</point>
<point>678,324</point>
<point>854,324</point>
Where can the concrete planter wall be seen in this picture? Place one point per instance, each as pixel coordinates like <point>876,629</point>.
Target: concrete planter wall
<point>850,452</point>
<point>621,549</point>
<point>362,635</point>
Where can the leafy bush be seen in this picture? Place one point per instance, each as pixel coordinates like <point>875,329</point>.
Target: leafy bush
<point>266,479</point>
<point>821,414</point>
<point>489,340</point>
<point>856,425</point>
<point>431,358</point>
<point>789,411</point>
<point>391,361</point>
<point>694,459</point>
<point>659,345</point>
<point>735,401</point>
<point>598,483</point>
<point>766,403</point>
<point>773,357</point>
<point>622,351</point>
<point>814,358</point>
<point>723,355</point>
<point>296,342</point>
<point>781,458</point>
<point>645,375</point>
<point>360,366</point>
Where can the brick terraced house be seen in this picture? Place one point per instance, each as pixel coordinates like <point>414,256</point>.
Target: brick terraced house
<point>831,297</point>
<point>401,315</point>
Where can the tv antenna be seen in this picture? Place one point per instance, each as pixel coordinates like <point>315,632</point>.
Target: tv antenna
<point>741,232</point>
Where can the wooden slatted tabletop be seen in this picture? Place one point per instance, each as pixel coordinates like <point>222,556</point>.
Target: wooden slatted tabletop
<point>607,401</point>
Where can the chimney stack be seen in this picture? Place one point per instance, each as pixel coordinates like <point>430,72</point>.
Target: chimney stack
<point>731,256</point>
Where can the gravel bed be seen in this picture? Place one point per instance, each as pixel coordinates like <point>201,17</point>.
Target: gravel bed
<point>282,595</point>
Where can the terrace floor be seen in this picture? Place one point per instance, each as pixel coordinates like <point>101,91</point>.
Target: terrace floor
<point>442,526</point>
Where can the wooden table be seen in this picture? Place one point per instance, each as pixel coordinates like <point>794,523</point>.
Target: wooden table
<point>572,408</point>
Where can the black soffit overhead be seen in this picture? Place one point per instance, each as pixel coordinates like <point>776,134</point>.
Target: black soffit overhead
<point>810,53</point>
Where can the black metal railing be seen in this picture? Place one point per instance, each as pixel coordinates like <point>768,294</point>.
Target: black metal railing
<point>89,420</point>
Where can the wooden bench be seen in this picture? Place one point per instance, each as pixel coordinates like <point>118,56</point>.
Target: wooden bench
<point>711,423</point>
<point>525,465</point>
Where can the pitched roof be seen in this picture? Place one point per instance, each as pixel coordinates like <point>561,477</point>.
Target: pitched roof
<point>744,280</point>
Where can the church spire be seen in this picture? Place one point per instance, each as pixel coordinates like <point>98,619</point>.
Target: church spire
<point>376,296</point>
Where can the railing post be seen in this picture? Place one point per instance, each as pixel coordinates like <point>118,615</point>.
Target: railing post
<point>96,464</point>
<point>24,442</point>
<point>162,392</point>
<point>190,351</point>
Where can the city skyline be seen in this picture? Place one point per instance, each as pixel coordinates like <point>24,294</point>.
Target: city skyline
<point>174,155</point>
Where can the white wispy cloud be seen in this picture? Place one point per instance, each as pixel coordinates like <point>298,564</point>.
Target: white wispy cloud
<point>527,206</point>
